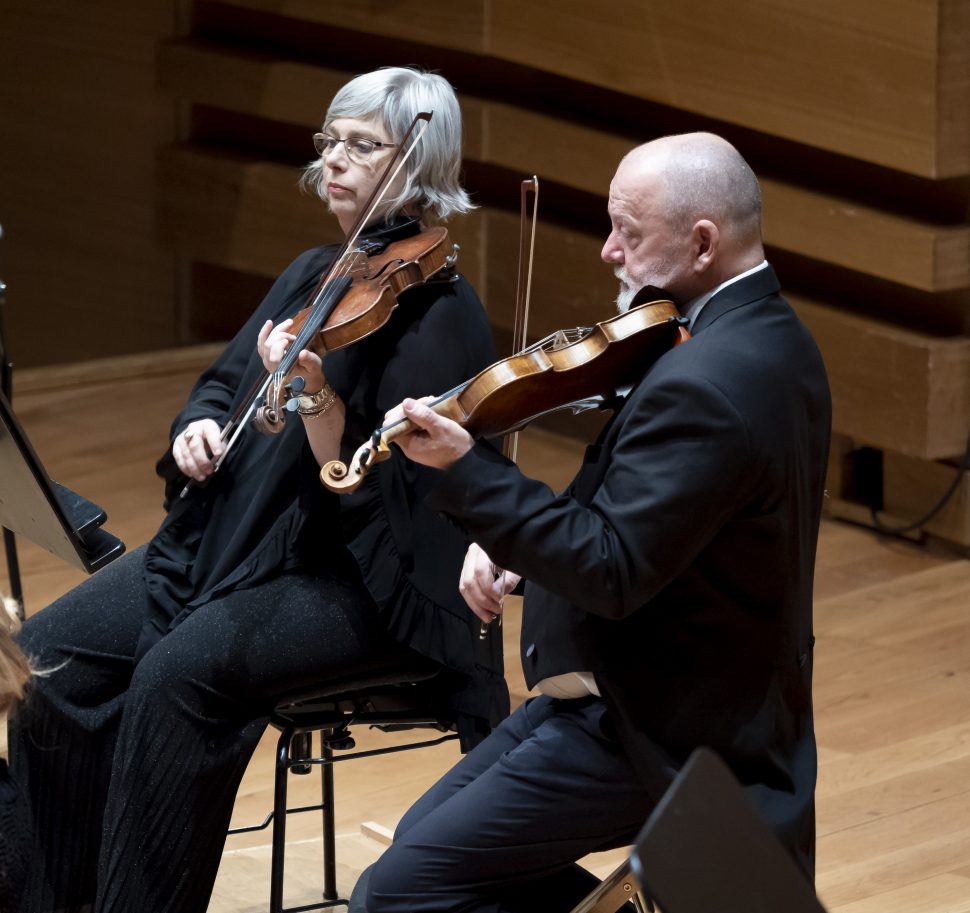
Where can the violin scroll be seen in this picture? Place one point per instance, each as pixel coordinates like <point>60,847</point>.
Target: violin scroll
<point>345,478</point>
<point>268,420</point>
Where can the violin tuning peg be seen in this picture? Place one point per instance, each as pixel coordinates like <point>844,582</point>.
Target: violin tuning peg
<point>296,385</point>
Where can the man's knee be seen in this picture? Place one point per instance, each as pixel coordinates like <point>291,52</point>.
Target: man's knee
<point>394,881</point>
<point>384,883</point>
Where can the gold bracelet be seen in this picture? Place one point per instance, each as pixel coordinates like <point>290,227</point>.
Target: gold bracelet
<point>319,403</point>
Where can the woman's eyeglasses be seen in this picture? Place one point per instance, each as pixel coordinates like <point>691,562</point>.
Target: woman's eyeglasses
<point>358,148</point>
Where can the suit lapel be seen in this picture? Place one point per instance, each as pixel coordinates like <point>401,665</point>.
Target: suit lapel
<point>597,458</point>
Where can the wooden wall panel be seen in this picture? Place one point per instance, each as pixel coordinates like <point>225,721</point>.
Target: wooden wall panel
<point>877,242</point>
<point>246,81</point>
<point>907,492</point>
<point>81,119</point>
<point>255,218</point>
<point>912,487</point>
<point>885,84</point>
<point>822,226</point>
<point>893,388</point>
<point>459,25</point>
<point>851,77</point>
<point>953,28</point>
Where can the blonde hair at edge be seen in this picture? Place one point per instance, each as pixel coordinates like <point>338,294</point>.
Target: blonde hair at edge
<point>14,667</point>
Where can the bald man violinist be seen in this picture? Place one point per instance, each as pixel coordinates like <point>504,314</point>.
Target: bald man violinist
<point>668,594</point>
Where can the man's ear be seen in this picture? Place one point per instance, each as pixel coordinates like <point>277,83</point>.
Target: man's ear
<point>705,239</point>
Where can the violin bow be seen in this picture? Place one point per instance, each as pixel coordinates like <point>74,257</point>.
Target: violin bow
<point>520,325</point>
<point>523,289</point>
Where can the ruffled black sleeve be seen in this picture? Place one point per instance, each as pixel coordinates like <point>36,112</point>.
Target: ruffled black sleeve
<point>409,556</point>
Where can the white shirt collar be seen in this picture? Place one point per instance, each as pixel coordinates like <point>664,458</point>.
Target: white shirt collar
<point>694,307</point>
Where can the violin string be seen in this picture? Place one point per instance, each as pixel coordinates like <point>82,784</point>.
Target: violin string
<point>249,402</point>
<point>454,391</point>
<point>321,303</point>
<point>319,310</point>
<point>323,296</point>
<point>314,322</point>
<point>374,200</point>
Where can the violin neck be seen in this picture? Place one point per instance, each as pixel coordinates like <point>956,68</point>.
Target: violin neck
<point>323,306</point>
<point>446,405</point>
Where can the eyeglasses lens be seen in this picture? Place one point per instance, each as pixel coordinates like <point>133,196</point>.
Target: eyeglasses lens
<point>358,149</point>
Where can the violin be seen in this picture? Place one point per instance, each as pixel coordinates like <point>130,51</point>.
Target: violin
<point>353,306</point>
<point>575,369</point>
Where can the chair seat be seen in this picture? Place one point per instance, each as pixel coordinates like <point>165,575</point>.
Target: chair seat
<point>407,693</point>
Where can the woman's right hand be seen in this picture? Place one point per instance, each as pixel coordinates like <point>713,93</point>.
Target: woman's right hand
<point>196,448</point>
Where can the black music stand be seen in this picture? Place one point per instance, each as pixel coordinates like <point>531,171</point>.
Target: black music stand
<point>704,849</point>
<point>52,516</point>
<point>6,388</point>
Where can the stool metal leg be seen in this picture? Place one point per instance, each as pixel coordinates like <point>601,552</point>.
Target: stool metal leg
<point>329,825</point>
<point>279,822</point>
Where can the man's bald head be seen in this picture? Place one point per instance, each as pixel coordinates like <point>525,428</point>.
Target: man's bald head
<point>704,177</point>
<point>686,215</point>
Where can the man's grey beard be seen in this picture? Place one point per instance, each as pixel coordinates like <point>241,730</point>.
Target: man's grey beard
<point>627,292</point>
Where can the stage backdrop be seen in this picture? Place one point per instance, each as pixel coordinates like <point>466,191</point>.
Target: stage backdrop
<point>151,152</point>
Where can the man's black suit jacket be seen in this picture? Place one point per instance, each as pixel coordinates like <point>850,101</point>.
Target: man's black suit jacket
<point>678,565</point>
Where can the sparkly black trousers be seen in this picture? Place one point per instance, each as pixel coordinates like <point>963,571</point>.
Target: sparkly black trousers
<point>132,769</point>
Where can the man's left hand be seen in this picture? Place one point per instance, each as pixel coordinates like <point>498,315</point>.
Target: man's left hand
<point>437,441</point>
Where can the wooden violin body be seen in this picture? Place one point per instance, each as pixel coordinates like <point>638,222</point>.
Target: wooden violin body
<point>566,368</point>
<point>354,305</point>
<point>376,281</point>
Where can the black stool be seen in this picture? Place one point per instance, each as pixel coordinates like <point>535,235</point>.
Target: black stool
<point>393,699</point>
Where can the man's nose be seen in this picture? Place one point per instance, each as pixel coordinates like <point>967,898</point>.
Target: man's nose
<point>611,252</point>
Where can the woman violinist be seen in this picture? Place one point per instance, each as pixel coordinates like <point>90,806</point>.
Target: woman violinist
<point>260,583</point>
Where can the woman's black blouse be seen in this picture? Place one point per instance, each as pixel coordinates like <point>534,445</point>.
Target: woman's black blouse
<point>266,512</point>
<point>15,841</point>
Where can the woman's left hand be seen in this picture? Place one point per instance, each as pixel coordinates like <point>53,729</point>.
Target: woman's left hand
<point>272,344</point>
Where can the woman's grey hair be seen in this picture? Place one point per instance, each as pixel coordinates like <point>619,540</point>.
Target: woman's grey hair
<point>394,95</point>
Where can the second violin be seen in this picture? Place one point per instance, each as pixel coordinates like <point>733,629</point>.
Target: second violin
<point>568,369</point>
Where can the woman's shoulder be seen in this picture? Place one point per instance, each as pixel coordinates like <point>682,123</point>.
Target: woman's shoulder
<point>312,260</point>
<point>450,296</point>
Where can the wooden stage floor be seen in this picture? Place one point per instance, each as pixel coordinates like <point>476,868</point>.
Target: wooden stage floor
<point>892,680</point>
